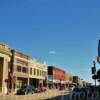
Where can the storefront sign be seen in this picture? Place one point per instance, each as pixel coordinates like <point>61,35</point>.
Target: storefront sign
<point>50,77</point>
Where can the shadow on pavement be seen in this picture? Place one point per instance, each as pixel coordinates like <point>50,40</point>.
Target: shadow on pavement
<point>60,97</point>
<point>67,97</point>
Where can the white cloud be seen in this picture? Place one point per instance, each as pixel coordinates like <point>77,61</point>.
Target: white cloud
<point>52,52</point>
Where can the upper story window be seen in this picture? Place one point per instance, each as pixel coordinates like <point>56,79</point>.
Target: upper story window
<point>40,73</point>
<point>31,71</point>
<point>24,70</point>
<point>34,71</point>
<point>44,74</point>
<point>19,68</point>
<point>22,62</point>
<point>37,72</point>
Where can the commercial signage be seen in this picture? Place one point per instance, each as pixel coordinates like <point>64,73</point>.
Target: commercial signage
<point>50,77</point>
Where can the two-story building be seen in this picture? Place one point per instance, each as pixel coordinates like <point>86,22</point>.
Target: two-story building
<point>19,69</point>
<point>56,77</point>
<point>38,74</point>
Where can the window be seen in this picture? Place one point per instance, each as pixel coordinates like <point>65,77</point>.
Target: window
<point>22,62</point>
<point>19,68</point>
<point>40,73</point>
<point>34,71</point>
<point>44,73</point>
<point>31,71</point>
<point>37,72</point>
<point>25,70</point>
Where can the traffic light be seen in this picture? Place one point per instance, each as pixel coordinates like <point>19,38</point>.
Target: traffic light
<point>93,70</point>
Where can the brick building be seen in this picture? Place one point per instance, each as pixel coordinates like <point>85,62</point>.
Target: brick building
<point>18,69</point>
<point>68,78</point>
<point>76,80</point>
<point>56,76</point>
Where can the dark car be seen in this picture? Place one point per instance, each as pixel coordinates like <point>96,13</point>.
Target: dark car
<point>88,93</point>
<point>62,87</point>
<point>74,94</point>
<point>76,89</point>
<point>26,90</point>
<point>42,89</point>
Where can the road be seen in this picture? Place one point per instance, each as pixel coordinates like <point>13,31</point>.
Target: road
<point>42,96</point>
<point>49,95</point>
<point>31,97</point>
<point>62,97</point>
<point>68,97</point>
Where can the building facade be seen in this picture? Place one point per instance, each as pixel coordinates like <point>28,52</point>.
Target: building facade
<point>68,78</point>
<point>76,80</point>
<point>27,71</point>
<point>5,57</point>
<point>18,69</point>
<point>38,74</point>
<point>56,77</point>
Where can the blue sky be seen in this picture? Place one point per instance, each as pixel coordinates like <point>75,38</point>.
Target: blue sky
<point>63,33</point>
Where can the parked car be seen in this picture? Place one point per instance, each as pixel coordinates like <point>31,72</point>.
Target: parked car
<point>71,88</point>
<point>74,94</point>
<point>62,87</point>
<point>43,89</point>
<point>37,90</point>
<point>26,90</point>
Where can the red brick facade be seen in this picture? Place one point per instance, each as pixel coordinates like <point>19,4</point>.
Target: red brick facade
<point>57,74</point>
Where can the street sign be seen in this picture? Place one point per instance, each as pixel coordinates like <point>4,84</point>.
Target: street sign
<point>50,77</point>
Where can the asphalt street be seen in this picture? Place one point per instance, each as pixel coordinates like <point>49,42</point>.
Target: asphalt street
<point>68,97</point>
<point>62,97</point>
<point>49,95</point>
